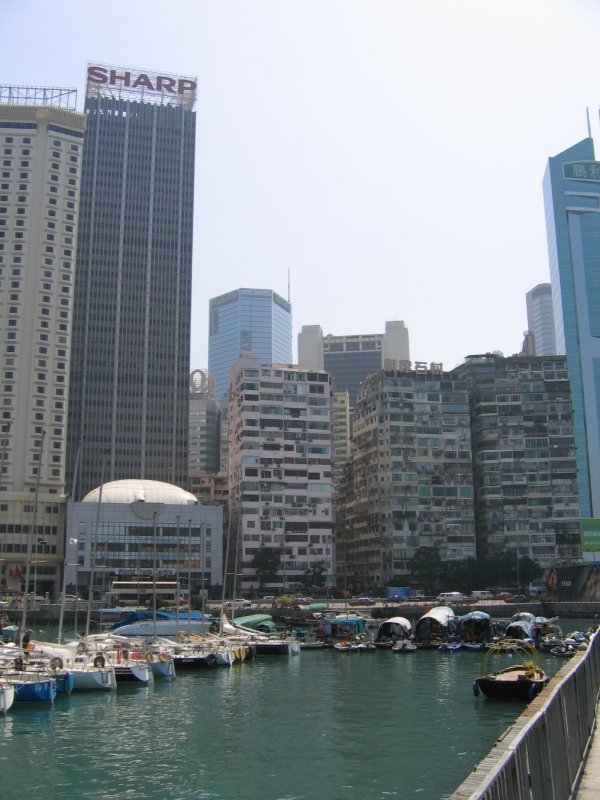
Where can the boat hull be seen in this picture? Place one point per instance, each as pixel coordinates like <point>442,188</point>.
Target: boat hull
<point>34,691</point>
<point>7,697</point>
<point>511,684</point>
<point>94,679</point>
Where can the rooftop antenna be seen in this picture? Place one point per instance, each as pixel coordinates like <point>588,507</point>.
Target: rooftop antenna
<point>587,114</point>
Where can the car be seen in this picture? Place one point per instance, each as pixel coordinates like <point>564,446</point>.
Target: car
<point>72,598</point>
<point>302,601</point>
<point>518,598</point>
<point>240,602</point>
<point>506,596</point>
<point>362,601</point>
<point>268,598</point>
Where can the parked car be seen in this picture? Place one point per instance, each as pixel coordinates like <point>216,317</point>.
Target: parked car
<point>518,598</point>
<point>268,598</point>
<point>506,596</point>
<point>302,601</point>
<point>362,601</point>
<point>239,602</point>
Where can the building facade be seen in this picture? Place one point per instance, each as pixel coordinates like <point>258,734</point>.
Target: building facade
<point>205,424</point>
<point>247,320</point>
<point>349,359</point>
<point>526,494</point>
<point>540,319</point>
<point>410,480</point>
<point>280,477</point>
<point>41,146</point>
<point>128,530</point>
<point>131,333</point>
<point>572,199</point>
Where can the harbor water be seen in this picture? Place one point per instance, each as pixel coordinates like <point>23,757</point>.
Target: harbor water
<point>322,725</point>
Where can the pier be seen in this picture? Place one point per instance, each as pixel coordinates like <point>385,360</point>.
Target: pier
<point>551,752</point>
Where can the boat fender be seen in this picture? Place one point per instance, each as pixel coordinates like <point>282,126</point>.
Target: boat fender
<point>532,691</point>
<point>475,688</point>
<point>56,663</point>
<point>163,657</point>
<point>211,660</point>
<point>99,661</point>
<point>149,658</point>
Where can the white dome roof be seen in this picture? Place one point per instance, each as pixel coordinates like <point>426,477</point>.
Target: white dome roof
<point>139,490</point>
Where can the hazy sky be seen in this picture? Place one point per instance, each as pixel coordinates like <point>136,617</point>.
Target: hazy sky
<point>389,154</point>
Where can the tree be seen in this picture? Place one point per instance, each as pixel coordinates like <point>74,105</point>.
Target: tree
<point>266,563</point>
<point>426,568</point>
<point>315,574</point>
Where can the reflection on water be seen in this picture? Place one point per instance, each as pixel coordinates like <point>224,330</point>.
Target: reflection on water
<point>319,725</point>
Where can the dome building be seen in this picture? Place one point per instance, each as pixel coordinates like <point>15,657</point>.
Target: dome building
<point>124,530</point>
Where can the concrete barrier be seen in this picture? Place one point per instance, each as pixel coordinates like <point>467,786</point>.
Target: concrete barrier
<point>542,754</point>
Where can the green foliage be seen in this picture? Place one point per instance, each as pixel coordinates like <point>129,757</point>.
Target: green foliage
<point>266,563</point>
<point>316,574</point>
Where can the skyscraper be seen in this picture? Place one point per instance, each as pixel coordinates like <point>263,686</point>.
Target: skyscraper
<point>247,320</point>
<point>572,199</point>
<point>131,334</point>
<point>540,319</point>
<point>41,141</point>
<point>349,359</point>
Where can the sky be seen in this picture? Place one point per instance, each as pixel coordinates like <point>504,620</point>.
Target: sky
<point>378,159</point>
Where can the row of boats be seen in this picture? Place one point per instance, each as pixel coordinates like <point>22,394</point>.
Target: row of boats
<point>38,671</point>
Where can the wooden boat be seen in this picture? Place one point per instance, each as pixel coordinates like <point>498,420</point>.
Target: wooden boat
<point>519,681</point>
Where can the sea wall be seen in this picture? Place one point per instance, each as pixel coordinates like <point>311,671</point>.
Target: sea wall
<point>543,753</point>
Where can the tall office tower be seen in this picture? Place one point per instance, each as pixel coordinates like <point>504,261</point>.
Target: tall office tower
<point>411,474</point>
<point>41,141</point>
<point>280,482</point>
<point>247,320</point>
<point>526,499</point>
<point>540,319</point>
<point>205,423</point>
<point>341,433</point>
<point>129,394</point>
<point>572,198</point>
<point>349,359</point>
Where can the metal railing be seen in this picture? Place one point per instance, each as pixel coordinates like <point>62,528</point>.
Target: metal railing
<point>543,753</point>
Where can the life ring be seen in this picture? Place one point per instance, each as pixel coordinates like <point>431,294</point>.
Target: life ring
<point>56,663</point>
<point>211,660</point>
<point>100,661</point>
<point>164,658</point>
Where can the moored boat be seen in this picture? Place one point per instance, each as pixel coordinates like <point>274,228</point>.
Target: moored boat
<point>7,696</point>
<point>519,681</point>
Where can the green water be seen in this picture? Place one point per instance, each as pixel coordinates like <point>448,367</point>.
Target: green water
<point>319,726</point>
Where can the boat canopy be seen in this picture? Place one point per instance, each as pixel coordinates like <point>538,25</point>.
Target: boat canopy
<point>437,623</point>
<point>256,622</point>
<point>526,616</point>
<point>475,627</point>
<point>143,616</point>
<point>342,626</point>
<point>520,629</point>
<point>394,627</point>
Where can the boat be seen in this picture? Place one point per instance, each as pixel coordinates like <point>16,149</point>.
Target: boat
<point>520,629</point>
<point>75,658</point>
<point>342,627</point>
<point>148,625</point>
<point>38,687</point>
<point>435,627</point>
<point>475,630</point>
<point>7,696</point>
<point>450,646</point>
<point>404,646</point>
<point>354,647</point>
<point>392,631</point>
<point>519,681</point>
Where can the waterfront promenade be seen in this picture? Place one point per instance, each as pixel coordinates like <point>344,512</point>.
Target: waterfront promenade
<point>589,788</point>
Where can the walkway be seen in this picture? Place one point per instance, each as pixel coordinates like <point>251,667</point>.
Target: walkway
<point>589,788</point>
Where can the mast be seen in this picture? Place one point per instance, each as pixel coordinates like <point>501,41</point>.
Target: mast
<point>30,533</point>
<point>93,550</point>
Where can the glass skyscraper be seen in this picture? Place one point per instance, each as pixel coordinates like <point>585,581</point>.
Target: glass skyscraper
<point>131,332</point>
<point>572,197</point>
<point>247,320</point>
